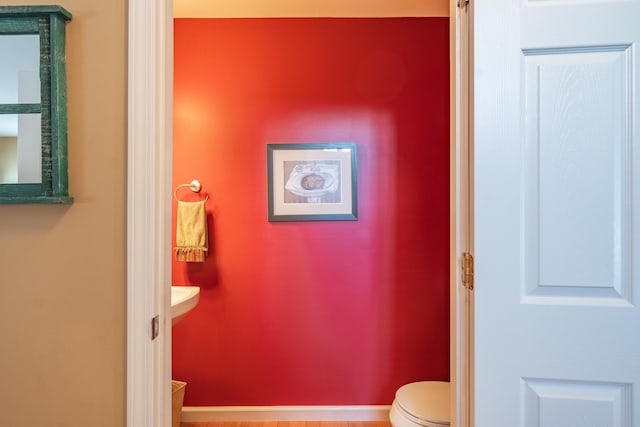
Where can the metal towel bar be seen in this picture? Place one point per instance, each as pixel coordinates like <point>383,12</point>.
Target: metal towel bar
<point>194,186</point>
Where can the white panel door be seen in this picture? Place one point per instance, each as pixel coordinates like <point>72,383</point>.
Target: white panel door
<point>557,213</point>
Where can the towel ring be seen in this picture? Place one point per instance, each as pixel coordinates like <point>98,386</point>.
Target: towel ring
<point>194,186</point>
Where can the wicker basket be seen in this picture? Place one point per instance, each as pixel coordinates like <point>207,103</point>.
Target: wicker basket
<point>177,397</point>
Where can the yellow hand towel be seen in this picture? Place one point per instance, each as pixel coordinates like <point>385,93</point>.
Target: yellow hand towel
<point>191,232</point>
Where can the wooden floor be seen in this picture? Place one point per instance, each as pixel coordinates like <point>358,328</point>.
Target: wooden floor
<point>289,424</point>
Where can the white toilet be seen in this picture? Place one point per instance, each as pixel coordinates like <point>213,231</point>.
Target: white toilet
<point>421,404</point>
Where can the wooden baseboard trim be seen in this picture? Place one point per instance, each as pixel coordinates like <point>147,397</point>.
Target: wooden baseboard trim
<point>286,413</point>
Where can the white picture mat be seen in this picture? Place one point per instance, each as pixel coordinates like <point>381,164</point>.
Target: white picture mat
<point>343,155</point>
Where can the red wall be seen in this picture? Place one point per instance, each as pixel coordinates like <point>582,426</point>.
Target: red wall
<point>314,313</point>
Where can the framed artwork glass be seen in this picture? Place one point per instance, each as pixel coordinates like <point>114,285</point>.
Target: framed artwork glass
<point>312,182</point>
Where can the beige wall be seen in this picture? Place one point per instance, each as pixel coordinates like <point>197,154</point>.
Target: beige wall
<point>62,268</point>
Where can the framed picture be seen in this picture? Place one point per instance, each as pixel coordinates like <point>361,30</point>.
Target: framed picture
<point>312,182</point>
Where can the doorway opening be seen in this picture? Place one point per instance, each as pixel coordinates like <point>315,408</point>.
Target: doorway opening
<point>149,214</point>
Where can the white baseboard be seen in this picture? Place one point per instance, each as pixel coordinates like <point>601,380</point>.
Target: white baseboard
<point>286,413</point>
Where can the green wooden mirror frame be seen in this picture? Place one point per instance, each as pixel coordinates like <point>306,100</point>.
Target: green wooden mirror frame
<point>49,23</point>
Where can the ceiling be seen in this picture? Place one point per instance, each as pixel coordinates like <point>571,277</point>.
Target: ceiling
<point>308,8</point>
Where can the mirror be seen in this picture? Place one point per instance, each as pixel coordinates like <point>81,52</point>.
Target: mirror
<point>33,122</point>
<point>20,154</point>
<point>20,149</point>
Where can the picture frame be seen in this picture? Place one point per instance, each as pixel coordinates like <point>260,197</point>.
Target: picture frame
<point>312,182</point>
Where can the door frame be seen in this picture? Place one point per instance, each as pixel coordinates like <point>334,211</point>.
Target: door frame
<point>461,211</point>
<point>150,104</point>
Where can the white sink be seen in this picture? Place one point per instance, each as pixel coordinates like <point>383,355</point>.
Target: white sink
<point>183,300</point>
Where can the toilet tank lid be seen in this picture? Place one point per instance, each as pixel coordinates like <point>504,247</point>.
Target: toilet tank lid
<point>427,400</point>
